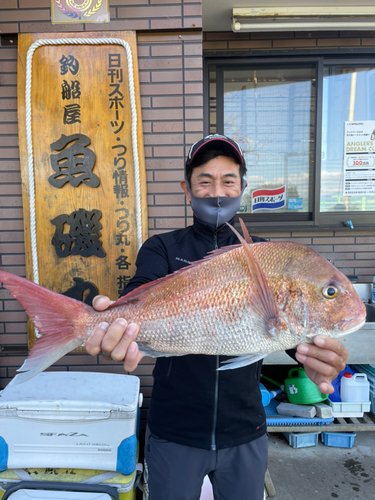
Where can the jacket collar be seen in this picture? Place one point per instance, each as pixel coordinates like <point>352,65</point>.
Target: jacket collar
<point>222,233</point>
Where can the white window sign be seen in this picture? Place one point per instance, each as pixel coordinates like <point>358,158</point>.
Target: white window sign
<point>359,158</point>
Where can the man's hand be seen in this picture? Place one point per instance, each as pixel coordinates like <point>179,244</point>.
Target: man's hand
<point>323,361</point>
<point>115,341</point>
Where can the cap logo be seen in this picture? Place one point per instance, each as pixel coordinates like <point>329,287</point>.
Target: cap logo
<point>216,136</point>
<point>219,136</point>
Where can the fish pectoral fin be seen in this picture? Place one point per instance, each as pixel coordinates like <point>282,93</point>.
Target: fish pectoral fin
<point>263,302</point>
<point>275,326</point>
<point>154,354</point>
<point>239,361</point>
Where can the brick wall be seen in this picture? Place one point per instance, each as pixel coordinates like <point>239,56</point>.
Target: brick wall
<point>287,40</point>
<point>33,16</point>
<point>170,70</point>
<point>12,324</point>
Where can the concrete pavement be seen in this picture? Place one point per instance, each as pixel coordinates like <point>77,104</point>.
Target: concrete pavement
<point>322,472</point>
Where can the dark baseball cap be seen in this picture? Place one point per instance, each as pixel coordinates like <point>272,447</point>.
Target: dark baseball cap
<point>216,141</point>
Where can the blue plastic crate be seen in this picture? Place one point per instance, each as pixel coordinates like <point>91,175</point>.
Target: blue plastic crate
<point>302,439</point>
<point>338,439</point>
<point>273,418</point>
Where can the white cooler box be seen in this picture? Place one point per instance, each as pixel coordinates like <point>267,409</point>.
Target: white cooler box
<point>78,420</point>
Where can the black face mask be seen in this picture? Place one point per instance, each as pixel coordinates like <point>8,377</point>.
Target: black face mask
<point>216,211</point>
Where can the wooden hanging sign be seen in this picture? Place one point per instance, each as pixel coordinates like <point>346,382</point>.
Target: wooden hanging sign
<point>82,161</point>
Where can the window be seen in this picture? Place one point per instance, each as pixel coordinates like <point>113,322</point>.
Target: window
<point>348,95</point>
<point>289,116</point>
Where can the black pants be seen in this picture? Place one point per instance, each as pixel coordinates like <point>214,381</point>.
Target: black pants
<point>176,472</point>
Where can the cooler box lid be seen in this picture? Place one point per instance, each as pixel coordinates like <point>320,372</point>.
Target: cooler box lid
<point>73,391</point>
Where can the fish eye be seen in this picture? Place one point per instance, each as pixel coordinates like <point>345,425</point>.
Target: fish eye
<point>330,291</point>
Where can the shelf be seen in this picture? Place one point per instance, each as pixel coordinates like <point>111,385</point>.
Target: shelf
<point>347,424</point>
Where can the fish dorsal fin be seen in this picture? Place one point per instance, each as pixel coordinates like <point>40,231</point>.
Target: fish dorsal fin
<point>138,293</point>
<point>228,248</point>
<point>245,232</point>
<point>263,300</point>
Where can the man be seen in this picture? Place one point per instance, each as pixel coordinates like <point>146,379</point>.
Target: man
<point>203,421</point>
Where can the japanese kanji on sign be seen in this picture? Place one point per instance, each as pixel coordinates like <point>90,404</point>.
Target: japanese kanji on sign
<point>82,161</point>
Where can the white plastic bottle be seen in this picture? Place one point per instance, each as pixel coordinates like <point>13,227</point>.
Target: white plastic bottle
<point>373,290</point>
<point>354,388</point>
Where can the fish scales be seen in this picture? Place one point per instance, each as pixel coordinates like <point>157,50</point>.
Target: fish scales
<point>192,314</point>
<point>207,308</point>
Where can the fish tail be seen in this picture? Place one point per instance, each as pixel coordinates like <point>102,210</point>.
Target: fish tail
<point>57,318</point>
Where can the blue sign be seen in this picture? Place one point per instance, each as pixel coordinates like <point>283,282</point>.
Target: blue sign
<point>295,203</point>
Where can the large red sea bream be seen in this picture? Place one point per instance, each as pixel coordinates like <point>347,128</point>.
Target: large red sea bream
<point>244,301</point>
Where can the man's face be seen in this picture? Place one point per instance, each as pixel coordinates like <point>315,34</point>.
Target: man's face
<point>217,177</point>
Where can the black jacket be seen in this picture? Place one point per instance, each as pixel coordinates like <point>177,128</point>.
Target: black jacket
<point>193,403</point>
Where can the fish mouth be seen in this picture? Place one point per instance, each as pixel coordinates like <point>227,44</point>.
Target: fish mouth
<point>353,325</point>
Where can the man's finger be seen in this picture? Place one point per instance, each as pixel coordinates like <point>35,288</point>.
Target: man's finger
<point>133,357</point>
<point>333,353</point>
<point>114,334</point>
<point>101,302</point>
<point>93,344</point>
<point>316,358</point>
<point>121,348</point>
<point>322,368</point>
<point>320,380</point>
<point>326,387</point>
<point>331,345</point>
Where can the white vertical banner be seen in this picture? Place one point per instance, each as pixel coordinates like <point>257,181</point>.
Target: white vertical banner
<point>359,158</point>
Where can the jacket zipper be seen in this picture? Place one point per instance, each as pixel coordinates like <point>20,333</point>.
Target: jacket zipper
<point>216,246</point>
<point>213,437</point>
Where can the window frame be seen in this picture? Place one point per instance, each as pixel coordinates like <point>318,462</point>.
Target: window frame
<point>315,220</point>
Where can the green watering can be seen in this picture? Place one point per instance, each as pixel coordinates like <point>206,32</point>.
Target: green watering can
<point>300,389</point>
